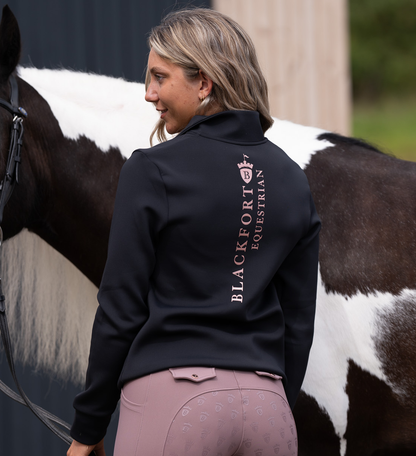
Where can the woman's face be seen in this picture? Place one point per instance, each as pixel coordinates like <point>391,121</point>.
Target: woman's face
<point>174,96</point>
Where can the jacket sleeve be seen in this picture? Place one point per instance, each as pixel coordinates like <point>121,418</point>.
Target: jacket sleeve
<point>139,214</point>
<point>296,282</point>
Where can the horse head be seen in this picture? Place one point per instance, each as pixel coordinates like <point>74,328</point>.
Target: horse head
<point>24,208</point>
<point>10,48</point>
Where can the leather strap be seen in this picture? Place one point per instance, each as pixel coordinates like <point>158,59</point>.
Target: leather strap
<point>13,107</point>
<point>47,419</point>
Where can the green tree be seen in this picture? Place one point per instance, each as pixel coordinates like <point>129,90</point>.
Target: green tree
<point>383,48</point>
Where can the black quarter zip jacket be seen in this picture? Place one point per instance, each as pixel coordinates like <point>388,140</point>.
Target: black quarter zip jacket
<point>212,261</point>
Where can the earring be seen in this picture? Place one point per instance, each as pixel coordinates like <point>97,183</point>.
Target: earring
<point>202,99</point>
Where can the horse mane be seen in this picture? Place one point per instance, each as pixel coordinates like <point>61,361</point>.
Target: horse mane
<point>334,138</point>
<point>50,303</point>
<point>99,107</point>
<point>50,307</point>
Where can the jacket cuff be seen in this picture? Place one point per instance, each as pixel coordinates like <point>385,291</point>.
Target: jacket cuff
<point>89,430</point>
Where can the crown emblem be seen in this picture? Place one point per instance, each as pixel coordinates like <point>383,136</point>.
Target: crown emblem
<point>245,170</point>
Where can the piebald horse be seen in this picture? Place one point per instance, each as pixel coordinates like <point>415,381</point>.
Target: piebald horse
<point>358,397</point>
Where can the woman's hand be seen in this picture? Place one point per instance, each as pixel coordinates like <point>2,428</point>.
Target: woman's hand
<point>79,449</point>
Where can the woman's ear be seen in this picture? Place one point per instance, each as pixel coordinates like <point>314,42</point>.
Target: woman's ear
<point>205,86</point>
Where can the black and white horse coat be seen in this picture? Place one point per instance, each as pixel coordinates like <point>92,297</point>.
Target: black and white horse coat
<point>359,390</point>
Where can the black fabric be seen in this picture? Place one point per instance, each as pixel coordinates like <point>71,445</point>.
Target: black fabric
<point>211,262</point>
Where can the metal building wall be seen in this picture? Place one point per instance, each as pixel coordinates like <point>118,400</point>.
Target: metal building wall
<point>101,36</point>
<point>20,431</point>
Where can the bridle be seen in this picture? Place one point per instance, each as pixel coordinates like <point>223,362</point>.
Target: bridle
<point>11,176</point>
<point>10,179</point>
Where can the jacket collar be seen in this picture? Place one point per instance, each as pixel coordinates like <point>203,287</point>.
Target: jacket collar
<point>230,126</point>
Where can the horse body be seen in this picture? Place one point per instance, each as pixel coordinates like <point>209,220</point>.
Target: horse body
<point>365,201</point>
<point>79,132</point>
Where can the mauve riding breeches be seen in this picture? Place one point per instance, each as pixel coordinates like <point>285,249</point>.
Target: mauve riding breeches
<point>205,412</point>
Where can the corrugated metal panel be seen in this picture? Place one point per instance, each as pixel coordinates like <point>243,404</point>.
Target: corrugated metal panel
<point>20,431</point>
<point>101,36</point>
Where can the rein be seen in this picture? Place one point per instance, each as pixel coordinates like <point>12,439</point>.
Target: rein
<point>7,185</point>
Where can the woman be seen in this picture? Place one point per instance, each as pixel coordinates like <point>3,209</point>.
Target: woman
<point>207,301</point>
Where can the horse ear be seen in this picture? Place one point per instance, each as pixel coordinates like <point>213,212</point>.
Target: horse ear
<point>9,44</point>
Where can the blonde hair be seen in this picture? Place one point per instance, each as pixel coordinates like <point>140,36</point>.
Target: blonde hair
<point>203,39</point>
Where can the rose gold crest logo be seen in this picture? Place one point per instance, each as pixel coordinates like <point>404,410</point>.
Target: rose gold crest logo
<point>246,170</point>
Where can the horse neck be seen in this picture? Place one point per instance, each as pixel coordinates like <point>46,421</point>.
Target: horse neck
<point>65,196</point>
<point>75,184</point>
<point>80,203</point>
